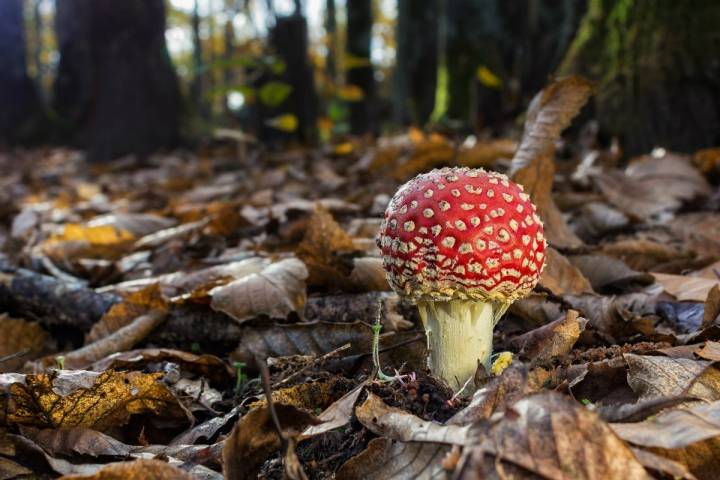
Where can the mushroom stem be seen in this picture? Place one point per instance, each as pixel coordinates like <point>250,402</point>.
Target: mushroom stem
<point>459,337</point>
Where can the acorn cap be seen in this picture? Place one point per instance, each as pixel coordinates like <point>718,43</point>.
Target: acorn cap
<point>461,233</point>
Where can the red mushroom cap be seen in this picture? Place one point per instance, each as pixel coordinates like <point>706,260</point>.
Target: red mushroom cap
<point>461,233</point>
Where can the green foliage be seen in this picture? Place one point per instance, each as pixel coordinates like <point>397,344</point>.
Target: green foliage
<point>274,93</point>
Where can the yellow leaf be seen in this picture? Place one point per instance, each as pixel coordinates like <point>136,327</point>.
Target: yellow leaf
<point>487,78</point>
<point>503,360</point>
<point>345,148</point>
<point>350,93</point>
<point>351,61</point>
<point>100,235</point>
<point>286,122</point>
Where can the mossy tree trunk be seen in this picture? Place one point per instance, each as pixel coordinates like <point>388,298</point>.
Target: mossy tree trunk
<point>657,68</point>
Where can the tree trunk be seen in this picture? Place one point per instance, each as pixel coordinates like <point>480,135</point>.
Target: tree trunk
<point>417,55</point>
<point>331,29</point>
<point>657,68</point>
<point>19,104</point>
<point>116,90</point>
<point>289,37</point>
<point>197,86</point>
<point>359,34</point>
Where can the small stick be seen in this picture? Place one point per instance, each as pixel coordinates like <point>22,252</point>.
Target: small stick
<point>315,362</point>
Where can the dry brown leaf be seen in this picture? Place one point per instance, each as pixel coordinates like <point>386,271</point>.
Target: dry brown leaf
<point>712,271</point>
<point>650,186</point>
<point>208,366</point>
<point>22,338</point>
<point>398,424</point>
<point>700,233</point>
<point>605,272</point>
<point>484,154</point>
<point>552,436</point>
<point>77,441</point>
<point>135,470</point>
<point>321,247</point>
<point>709,351</point>
<point>552,340</point>
<point>549,113</point>
<point>384,458</point>
<point>368,275</point>
<point>276,291</point>
<point>655,376</point>
<point>123,313</point>
<point>686,288</point>
<point>254,438</point>
<point>137,224</point>
<point>124,338</point>
<point>337,415</point>
<point>83,399</point>
<point>663,466</point>
<point>642,254</point>
<point>561,277</point>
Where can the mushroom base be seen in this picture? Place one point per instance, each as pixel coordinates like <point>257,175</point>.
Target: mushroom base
<point>459,338</point>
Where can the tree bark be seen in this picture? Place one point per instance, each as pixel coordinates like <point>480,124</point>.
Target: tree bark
<point>657,68</point>
<point>359,35</point>
<point>19,104</point>
<point>116,91</point>
<point>417,55</point>
<point>289,37</point>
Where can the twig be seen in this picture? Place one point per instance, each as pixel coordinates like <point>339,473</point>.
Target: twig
<point>315,362</point>
<point>14,355</point>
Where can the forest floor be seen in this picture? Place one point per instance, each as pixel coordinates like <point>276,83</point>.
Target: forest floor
<point>209,314</point>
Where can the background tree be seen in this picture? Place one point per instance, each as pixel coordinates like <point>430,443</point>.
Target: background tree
<point>416,63</point>
<point>360,70</point>
<point>116,91</point>
<point>657,67</point>
<point>19,104</point>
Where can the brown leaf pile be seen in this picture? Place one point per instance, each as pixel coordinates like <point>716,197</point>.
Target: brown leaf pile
<point>210,315</point>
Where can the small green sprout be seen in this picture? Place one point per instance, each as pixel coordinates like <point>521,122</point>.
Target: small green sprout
<point>60,360</point>
<point>241,378</point>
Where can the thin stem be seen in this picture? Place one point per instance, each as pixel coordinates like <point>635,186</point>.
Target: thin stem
<point>459,338</point>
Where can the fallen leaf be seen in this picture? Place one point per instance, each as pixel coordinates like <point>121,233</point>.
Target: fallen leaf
<point>561,277</point>
<point>700,233</point>
<point>605,272</point>
<point>254,438</point>
<point>320,250</point>
<point>551,436</point>
<point>337,415</point>
<point>686,288</point>
<point>83,399</point>
<point>655,376</point>
<point>123,313</point>
<point>18,337</point>
<point>77,441</point>
<point>549,113</point>
<point>276,291</point>
<point>384,458</point>
<point>710,351</point>
<point>135,470</point>
<point>555,339</point>
<point>397,424</point>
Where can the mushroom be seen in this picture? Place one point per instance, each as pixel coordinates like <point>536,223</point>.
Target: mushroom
<point>462,244</point>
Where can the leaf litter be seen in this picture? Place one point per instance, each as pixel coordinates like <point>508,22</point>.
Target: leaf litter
<point>140,306</point>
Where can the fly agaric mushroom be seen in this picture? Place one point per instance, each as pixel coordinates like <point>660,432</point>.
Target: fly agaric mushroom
<point>463,244</point>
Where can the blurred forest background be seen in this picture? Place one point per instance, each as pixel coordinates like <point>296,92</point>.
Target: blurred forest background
<point>131,77</point>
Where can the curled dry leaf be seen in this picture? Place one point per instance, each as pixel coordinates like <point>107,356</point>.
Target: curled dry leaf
<point>20,341</point>
<point>336,415</point>
<point>549,113</point>
<point>385,458</point>
<point>321,250</point>
<point>561,277</point>
<point>120,340</point>
<point>555,339</point>
<point>254,438</point>
<point>135,470</point>
<point>552,436</point>
<point>276,291</point>
<point>123,313</point>
<point>397,424</point>
<point>208,366</point>
<point>83,399</point>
